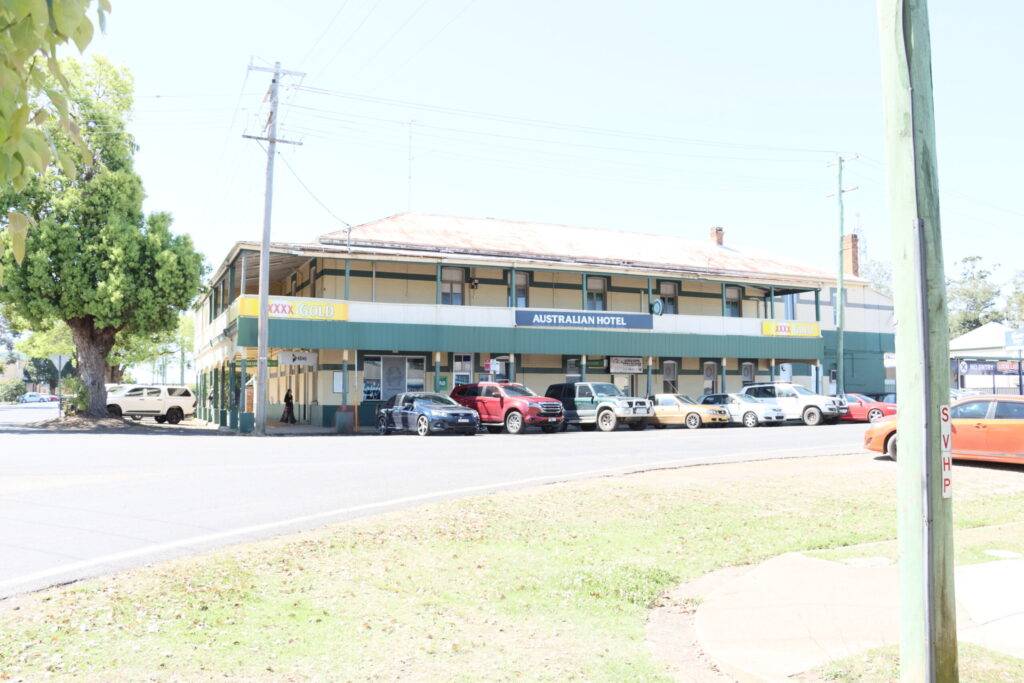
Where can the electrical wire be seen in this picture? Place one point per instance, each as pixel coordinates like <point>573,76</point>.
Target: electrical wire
<point>348,39</point>
<point>323,35</point>
<point>387,42</point>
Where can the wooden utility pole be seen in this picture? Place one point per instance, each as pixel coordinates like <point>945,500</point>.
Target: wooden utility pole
<point>263,330</point>
<point>928,644</point>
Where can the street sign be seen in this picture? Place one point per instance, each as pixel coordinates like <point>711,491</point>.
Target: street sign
<point>623,365</point>
<point>1014,340</point>
<point>889,360</point>
<point>946,452</point>
<point>297,358</point>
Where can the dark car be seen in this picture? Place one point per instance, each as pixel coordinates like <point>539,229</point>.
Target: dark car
<point>509,405</point>
<point>425,413</point>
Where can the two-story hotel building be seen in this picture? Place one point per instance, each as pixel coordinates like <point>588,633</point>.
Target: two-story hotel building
<point>417,301</point>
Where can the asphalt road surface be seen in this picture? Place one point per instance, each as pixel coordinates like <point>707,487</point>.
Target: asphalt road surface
<point>78,505</point>
<point>23,413</point>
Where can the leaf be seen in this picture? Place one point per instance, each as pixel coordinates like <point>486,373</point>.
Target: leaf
<point>67,164</point>
<point>18,122</point>
<point>67,15</point>
<point>18,225</point>
<point>19,8</point>
<point>83,34</point>
<point>40,117</point>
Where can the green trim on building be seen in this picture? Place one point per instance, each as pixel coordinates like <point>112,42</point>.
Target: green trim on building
<point>315,334</point>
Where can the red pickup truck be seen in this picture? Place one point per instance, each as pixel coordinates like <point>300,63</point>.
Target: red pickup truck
<point>512,406</point>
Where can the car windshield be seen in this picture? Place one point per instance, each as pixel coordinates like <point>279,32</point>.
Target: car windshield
<point>605,389</point>
<point>685,399</point>
<point>517,390</point>
<point>747,398</point>
<point>803,391</point>
<point>436,399</point>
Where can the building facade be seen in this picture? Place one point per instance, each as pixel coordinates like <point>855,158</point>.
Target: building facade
<point>416,302</point>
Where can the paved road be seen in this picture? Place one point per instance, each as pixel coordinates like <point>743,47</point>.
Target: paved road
<point>76,505</point>
<point>22,413</point>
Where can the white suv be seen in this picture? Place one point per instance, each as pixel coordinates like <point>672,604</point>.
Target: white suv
<point>163,403</point>
<point>799,403</point>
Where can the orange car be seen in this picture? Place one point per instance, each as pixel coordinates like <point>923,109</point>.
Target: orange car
<point>984,428</point>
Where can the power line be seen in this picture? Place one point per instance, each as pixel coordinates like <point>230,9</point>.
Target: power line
<point>326,30</point>
<point>310,192</point>
<point>555,125</point>
<point>390,38</point>
<point>348,39</point>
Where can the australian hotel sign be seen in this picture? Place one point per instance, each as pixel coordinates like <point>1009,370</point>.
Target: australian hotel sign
<point>590,319</point>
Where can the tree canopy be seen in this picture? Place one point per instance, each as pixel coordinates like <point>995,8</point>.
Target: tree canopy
<point>972,297</point>
<point>95,261</point>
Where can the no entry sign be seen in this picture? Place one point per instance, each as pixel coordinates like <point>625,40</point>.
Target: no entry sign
<point>946,452</point>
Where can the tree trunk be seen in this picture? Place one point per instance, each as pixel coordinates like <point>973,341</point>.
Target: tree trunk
<point>93,346</point>
<point>115,374</point>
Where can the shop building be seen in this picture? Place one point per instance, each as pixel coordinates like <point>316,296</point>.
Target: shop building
<point>413,302</point>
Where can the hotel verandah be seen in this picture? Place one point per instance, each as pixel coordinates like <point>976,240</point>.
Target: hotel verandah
<point>419,301</point>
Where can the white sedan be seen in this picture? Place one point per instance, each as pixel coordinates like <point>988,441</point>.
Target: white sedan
<point>747,410</point>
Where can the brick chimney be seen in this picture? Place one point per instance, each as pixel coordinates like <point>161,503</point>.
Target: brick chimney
<point>718,235</point>
<point>851,255</point>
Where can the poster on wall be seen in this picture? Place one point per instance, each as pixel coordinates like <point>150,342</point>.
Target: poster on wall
<point>625,365</point>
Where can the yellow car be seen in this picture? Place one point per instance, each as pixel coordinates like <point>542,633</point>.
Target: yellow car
<point>677,409</point>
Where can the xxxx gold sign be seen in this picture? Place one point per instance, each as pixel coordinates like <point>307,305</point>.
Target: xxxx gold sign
<point>789,328</point>
<point>295,308</point>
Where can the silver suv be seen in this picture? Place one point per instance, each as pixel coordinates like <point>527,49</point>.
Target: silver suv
<point>601,405</point>
<point>799,402</point>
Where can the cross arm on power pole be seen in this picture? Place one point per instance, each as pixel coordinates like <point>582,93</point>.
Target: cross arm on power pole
<point>275,70</point>
<point>264,138</point>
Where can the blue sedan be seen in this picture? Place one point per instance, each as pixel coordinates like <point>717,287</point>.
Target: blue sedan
<point>425,414</point>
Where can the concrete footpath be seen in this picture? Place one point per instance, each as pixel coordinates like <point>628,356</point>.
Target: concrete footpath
<point>793,613</point>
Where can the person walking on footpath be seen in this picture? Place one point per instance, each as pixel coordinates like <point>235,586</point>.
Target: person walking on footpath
<point>288,417</point>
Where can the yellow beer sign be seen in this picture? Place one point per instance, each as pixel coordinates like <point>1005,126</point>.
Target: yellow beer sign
<point>294,308</point>
<point>789,328</point>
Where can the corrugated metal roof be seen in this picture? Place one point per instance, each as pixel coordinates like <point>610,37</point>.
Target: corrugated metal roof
<point>572,244</point>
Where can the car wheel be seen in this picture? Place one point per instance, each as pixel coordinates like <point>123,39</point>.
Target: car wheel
<point>114,411</point>
<point>514,422</point>
<point>382,426</point>
<point>637,426</point>
<point>812,417</point>
<point>174,415</point>
<point>874,415</point>
<point>890,447</point>
<point>750,419</point>
<point>423,426</point>
<point>607,421</point>
<point>160,419</point>
<point>692,421</point>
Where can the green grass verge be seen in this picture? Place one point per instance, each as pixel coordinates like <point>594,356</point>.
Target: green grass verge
<point>882,665</point>
<point>546,584</point>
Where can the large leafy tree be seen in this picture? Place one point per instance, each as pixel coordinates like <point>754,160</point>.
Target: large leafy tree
<point>95,261</point>
<point>1014,313</point>
<point>972,296</point>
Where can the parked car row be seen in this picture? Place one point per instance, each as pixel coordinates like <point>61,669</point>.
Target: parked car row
<point>164,403</point>
<point>498,406</point>
<point>36,397</point>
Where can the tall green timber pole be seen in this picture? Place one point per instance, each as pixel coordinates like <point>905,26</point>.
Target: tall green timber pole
<point>928,644</point>
<point>840,300</point>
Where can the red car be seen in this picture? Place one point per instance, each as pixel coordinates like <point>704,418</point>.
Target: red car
<point>866,409</point>
<point>512,406</point>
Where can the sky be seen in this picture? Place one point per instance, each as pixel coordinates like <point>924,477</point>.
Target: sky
<point>663,117</point>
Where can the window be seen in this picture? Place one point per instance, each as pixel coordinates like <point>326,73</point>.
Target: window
<point>521,298</point>
<point>136,391</point>
<point>1009,410</point>
<point>762,392</point>
<point>584,391</point>
<point>596,290</point>
<point>178,391</point>
<point>517,390</point>
<point>670,376</point>
<point>669,293</point>
<point>572,369</point>
<point>733,302</point>
<point>453,285</point>
<point>975,410</point>
<point>789,304</point>
<point>462,368</point>
<point>604,389</point>
<point>414,374</point>
<point>490,391</point>
<point>371,379</point>
<point>471,391</point>
<point>667,401</point>
<point>152,392</point>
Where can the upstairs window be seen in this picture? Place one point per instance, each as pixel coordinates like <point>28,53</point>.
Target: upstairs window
<point>597,288</point>
<point>669,293</point>
<point>733,302</point>
<point>521,297</point>
<point>453,286</point>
